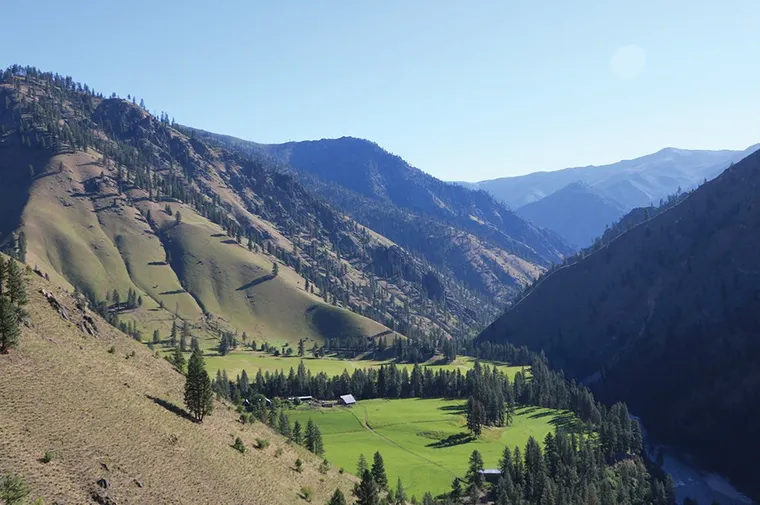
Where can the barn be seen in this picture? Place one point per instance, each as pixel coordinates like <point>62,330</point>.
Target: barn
<point>347,400</point>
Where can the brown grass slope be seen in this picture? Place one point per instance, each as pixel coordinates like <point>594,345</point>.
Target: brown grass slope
<point>110,416</point>
<point>667,317</point>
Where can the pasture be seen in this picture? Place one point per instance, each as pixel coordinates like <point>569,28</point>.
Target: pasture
<point>423,441</point>
<point>252,361</point>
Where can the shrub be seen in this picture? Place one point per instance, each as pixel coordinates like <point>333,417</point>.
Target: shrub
<point>299,465</point>
<point>306,493</point>
<point>341,471</point>
<point>324,466</point>
<point>262,443</point>
<point>111,350</point>
<point>47,457</point>
<point>239,445</point>
<point>278,452</point>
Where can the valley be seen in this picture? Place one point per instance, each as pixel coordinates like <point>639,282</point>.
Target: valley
<point>184,314</point>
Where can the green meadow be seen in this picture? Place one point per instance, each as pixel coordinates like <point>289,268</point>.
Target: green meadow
<point>252,361</point>
<point>422,441</point>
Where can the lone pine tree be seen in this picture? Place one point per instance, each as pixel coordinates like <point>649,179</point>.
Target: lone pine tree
<point>198,391</point>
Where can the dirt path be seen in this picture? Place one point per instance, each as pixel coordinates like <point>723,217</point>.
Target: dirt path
<point>365,423</point>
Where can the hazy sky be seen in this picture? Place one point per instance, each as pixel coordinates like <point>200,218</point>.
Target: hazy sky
<point>463,90</point>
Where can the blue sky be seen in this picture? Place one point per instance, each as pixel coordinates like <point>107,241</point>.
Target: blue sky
<point>465,92</point>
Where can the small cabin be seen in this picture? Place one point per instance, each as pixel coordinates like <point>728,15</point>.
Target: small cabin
<point>347,400</point>
<point>491,475</point>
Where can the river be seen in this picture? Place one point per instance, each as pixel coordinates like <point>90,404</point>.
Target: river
<point>690,480</point>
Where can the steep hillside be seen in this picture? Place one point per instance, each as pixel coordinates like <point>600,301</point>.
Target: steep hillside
<point>93,186</point>
<point>462,232</point>
<point>104,407</point>
<point>576,212</point>
<point>665,317</point>
<point>633,183</point>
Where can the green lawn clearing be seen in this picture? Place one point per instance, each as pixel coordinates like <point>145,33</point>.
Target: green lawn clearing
<point>413,437</point>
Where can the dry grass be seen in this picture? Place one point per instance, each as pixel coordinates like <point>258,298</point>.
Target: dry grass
<point>63,392</point>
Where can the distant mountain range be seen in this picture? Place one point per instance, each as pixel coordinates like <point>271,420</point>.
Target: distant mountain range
<point>555,201</point>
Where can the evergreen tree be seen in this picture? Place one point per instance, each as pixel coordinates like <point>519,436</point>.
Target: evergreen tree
<point>400,493</point>
<point>337,498</point>
<point>475,416</point>
<point>314,438</point>
<point>366,490</point>
<point>275,269</point>
<point>16,287</point>
<point>156,336</point>
<point>361,466</point>
<point>283,425</point>
<point>178,359</point>
<point>378,471</point>
<point>474,476</point>
<point>184,336</point>
<point>198,392</point>
<point>297,433</point>
<point>9,330</point>
<point>173,334</point>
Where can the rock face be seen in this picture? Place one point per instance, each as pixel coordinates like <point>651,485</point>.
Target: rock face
<point>666,317</point>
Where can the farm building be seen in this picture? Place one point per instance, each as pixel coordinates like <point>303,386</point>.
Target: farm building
<point>301,398</point>
<point>347,400</point>
<point>491,475</point>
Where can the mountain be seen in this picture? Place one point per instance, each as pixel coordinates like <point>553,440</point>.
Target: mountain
<point>228,236</point>
<point>106,408</point>
<point>666,318</point>
<point>632,183</point>
<point>466,233</point>
<point>577,212</point>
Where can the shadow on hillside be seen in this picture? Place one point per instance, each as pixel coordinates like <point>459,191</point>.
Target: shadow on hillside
<point>157,263</point>
<point>230,241</point>
<point>173,292</point>
<point>452,440</point>
<point>453,409</point>
<point>568,422</point>
<point>542,414</point>
<point>256,282</point>
<point>218,235</point>
<point>171,407</point>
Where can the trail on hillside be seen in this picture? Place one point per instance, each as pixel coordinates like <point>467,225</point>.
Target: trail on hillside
<point>365,423</point>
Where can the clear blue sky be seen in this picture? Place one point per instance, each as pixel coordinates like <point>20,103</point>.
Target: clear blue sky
<point>465,92</point>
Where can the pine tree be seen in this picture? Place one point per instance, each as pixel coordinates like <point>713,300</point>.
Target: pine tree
<point>297,433</point>
<point>16,286</point>
<point>178,359</point>
<point>198,392</point>
<point>400,493</point>
<point>366,490</point>
<point>9,330</point>
<point>156,336</point>
<point>283,425</point>
<point>173,335</point>
<point>275,269</point>
<point>314,438</point>
<point>474,476</point>
<point>361,466</point>
<point>337,498</point>
<point>475,416</point>
<point>378,471</point>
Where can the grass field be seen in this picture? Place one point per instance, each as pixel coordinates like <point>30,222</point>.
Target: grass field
<point>251,362</point>
<point>410,435</point>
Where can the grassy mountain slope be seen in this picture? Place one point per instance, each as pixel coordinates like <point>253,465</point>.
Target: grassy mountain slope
<point>665,317</point>
<point>465,234</point>
<point>82,201</point>
<point>576,212</point>
<point>111,415</point>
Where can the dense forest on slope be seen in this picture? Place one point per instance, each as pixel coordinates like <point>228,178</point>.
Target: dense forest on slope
<point>665,317</point>
<point>106,196</point>
<point>466,233</point>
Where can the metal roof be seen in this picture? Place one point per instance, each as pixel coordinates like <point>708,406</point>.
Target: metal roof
<point>348,399</point>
